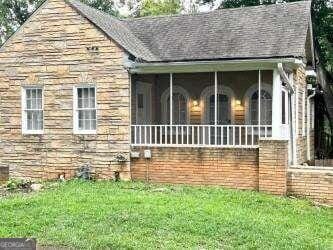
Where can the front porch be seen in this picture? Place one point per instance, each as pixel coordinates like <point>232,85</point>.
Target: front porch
<point>212,109</point>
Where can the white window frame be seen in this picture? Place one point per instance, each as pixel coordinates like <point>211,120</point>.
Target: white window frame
<point>24,118</point>
<point>76,129</point>
<point>248,96</point>
<point>221,90</point>
<point>164,101</point>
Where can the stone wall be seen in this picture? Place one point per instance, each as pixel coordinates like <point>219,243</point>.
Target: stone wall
<point>50,50</point>
<point>234,168</point>
<point>313,182</point>
<point>301,146</point>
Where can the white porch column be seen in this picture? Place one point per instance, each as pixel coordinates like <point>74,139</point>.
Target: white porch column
<point>259,102</point>
<point>215,104</point>
<point>215,99</point>
<point>171,99</point>
<point>276,105</point>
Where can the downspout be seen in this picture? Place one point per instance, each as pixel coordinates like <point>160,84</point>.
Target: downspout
<point>308,125</point>
<point>291,91</point>
<point>285,78</point>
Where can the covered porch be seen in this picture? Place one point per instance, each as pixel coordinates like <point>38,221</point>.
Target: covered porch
<point>230,109</point>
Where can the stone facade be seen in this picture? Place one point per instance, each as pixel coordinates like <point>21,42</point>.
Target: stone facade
<point>301,133</point>
<point>50,50</point>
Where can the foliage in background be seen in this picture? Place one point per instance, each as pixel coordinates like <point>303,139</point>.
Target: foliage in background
<point>159,7</point>
<point>13,13</point>
<point>107,6</point>
<point>322,18</point>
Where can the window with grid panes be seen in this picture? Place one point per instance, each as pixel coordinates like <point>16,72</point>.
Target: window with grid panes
<point>33,114</point>
<point>85,110</point>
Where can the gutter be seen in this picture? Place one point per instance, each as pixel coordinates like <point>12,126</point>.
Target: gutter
<point>209,65</point>
<point>308,125</point>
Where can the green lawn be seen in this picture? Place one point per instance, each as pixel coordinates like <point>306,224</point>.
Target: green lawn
<point>103,215</point>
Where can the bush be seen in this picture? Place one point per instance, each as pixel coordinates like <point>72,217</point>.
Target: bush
<point>14,184</point>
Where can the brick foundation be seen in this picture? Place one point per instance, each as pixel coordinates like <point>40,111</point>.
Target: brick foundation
<point>273,162</point>
<point>313,182</point>
<point>235,168</point>
<point>263,169</point>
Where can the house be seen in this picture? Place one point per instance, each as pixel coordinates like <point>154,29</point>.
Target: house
<point>216,98</point>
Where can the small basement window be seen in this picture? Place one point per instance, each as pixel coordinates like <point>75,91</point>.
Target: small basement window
<point>85,117</point>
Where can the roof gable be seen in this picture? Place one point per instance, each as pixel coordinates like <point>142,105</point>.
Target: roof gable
<point>115,29</point>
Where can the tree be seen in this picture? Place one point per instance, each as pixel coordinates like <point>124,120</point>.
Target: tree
<point>107,6</point>
<point>13,14</point>
<point>322,14</point>
<point>159,7</point>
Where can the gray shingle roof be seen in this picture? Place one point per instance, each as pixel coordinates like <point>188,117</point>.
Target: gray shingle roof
<point>278,30</point>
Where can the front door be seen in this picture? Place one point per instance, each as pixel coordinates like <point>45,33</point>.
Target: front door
<point>143,103</point>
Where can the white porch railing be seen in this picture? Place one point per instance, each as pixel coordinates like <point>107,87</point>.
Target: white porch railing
<point>241,136</point>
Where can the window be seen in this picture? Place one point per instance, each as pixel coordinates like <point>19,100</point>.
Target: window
<point>283,107</point>
<point>265,108</point>
<point>85,119</point>
<point>180,101</point>
<point>251,104</point>
<point>225,98</point>
<point>32,110</point>
<point>179,109</point>
<point>140,101</point>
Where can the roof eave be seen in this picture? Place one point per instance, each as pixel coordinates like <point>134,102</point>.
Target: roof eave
<point>211,65</point>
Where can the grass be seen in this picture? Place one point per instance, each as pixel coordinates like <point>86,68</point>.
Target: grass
<point>102,215</point>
